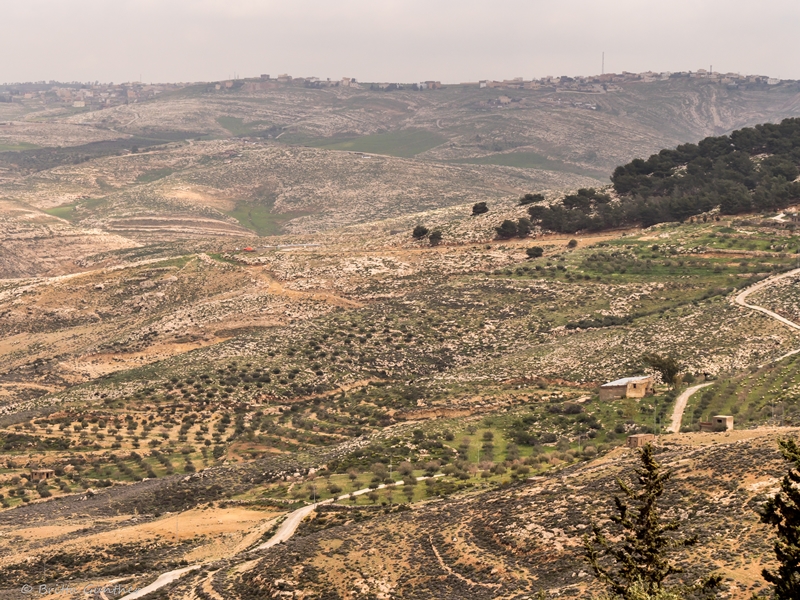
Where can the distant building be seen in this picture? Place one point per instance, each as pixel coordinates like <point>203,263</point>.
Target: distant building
<point>639,439</point>
<point>628,387</point>
<point>717,423</point>
<point>41,474</point>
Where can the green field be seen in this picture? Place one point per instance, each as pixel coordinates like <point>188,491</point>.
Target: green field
<point>154,175</point>
<point>404,144</point>
<point>237,127</point>
<point>259,218</point>
<point>65,211</point>
<point>530,160</point>
<point>8,147</point>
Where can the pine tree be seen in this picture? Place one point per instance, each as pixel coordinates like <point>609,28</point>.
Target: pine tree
<point>637,565</point>
<point>783,513</point>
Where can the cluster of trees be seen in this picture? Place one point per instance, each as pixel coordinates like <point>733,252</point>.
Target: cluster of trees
<point>751,169</point>
<point>434,237</point>
<point>633,558</point>
<point>509,229</point>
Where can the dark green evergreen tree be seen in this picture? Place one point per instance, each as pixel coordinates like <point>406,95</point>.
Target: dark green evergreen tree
<point>638,563</point>
<point>507,229</point>
<point>523,227</point>
<point>420,231</point>
<point>534,251</point>
<point>783,513</point>
<point>479,208</point>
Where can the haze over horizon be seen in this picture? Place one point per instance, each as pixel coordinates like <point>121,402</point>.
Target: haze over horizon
<point>207,40</point>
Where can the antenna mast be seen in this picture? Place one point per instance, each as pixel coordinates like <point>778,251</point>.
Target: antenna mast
<point>603,65</point>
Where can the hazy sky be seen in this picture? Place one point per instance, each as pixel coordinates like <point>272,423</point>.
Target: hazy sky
<point>391,40</point>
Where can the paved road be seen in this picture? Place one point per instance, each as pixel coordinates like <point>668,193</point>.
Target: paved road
<point>680,406</point>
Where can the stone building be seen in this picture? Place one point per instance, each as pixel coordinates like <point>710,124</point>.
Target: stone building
<point>717,423</point>
<point>639,439</point>
<point>41,474</point>
<point>628,387</point>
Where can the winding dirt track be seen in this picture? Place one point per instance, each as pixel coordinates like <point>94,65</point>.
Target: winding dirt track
<point>284,532</point>
<point>741,300</point>
<point>680,406</point>
<point>741,297</point>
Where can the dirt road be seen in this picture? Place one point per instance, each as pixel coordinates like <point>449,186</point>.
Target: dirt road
<point>284,532</point>
<point>680,406</point>
<point>741,297</point>
<point>162,580</point>
<point>741,300</point>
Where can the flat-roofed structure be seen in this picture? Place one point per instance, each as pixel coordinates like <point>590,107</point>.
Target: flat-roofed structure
<point>638,440</point>
<point>627,387</point>
<point>41,474</point>
<point>717,423</point>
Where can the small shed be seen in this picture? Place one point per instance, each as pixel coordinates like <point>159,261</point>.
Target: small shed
<point>41,474</point>
<point>628,387</point>
<point>639,439</point>
<point>717,423</point>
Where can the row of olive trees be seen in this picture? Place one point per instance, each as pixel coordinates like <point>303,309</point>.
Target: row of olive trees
<point>633,560</point>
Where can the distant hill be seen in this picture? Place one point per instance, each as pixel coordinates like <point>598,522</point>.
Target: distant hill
<point>561,130</point>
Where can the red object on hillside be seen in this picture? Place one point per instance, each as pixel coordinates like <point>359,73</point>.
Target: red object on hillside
<point>249,249</point>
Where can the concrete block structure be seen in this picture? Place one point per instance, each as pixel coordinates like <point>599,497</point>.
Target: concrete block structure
<point>629,387</point>
<point>42,474</point>
<point>639,439</point>
<point>717,423</point>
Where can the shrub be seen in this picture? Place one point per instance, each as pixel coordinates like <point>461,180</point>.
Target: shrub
<point>479,208</point>
<point>530,199</point>
<point>507,229</point>
<point>534,252</point>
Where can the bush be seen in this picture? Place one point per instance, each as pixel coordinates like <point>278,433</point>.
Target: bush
<point>435,238</point>
<point>420,231</point>
<point>534,252</point>
<point>479,208</point>
<point>507,229</point>
<point>572,243</point>
<point>530,199</point>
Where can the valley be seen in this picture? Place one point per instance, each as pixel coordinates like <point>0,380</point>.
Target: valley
<point>227,354</point>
